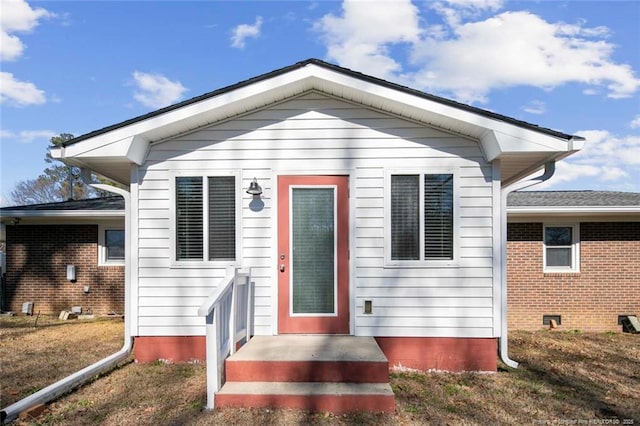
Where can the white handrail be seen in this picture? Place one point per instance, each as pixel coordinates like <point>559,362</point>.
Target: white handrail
<point>228,311</point>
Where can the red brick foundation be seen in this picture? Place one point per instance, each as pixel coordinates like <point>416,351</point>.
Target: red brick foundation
<point>420,353</point>
<point>440,353</point>
<point>607,285</point>
<point>37,257</point>
<point>169,348</point>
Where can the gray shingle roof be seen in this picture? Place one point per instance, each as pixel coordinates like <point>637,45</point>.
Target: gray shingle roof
<point>339,69</point>
<point>93,204</point>
<point>573,199</point>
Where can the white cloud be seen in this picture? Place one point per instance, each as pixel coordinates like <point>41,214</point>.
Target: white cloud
<point>17,17</point>
<point>156,90</point>
<point>535,107</point>
<point>607,158</point>
<point>360,38</point>
<point>453,58</point>
<point>19,93</point>
<point>27,136</point>
<point>635,123</point>
<point>243,31</point>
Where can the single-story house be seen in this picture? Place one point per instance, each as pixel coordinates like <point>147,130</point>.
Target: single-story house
<point>573,257</point>
<point>358,206</point>
<point>43,240</point>
<point>594,281</point>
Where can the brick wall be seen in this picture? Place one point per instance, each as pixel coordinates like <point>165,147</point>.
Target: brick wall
<point>37,256</point>
<point>607,285</point>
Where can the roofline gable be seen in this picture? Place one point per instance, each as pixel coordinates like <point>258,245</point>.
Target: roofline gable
<point>129,141</point>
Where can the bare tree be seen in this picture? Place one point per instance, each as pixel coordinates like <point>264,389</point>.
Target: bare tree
<point>58,182</point>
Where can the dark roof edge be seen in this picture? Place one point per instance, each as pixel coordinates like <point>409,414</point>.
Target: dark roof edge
<point>336,68</point>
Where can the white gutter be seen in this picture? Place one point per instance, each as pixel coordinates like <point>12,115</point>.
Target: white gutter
<point>571,210</point>
<point>80,377</point>
<point>549,169</point>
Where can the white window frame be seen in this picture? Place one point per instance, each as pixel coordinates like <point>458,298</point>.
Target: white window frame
<point>205,263</point>
<point>102,245</point>
<point>422,262</point>
<point>575,248</point>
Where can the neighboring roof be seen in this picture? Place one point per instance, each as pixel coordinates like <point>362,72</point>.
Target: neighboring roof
<point>521,147</point>
<point>106,206</point>
<point>573,198</point>
<point>572,202</point>
<point>333,67</point>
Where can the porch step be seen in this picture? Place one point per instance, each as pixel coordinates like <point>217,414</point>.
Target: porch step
<point>322,373</point>
<point>331,397</point>
<point>309,359</point>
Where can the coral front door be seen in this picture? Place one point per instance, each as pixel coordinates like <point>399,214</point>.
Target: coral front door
<point>313,254</point>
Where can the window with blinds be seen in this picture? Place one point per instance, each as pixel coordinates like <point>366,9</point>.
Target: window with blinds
<point>422,217</point>
<point>215,238</point>
<point>189,219</point>
<point>222,218</point>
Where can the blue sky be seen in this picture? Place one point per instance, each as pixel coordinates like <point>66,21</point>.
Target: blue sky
<point>573,66</point>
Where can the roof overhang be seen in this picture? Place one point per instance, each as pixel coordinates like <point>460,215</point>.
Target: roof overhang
<point>521,149</point>
<point>517,213</point>
<point>19,213</point>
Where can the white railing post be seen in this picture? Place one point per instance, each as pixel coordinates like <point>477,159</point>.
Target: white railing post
<point>211,344</point>
<point>249,302</point>
<point>232,314</point>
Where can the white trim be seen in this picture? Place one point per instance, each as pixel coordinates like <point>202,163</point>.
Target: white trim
<point>204,263</point>
<point>335,250</point>
<point>62,213</point>
<point>422,262</point>
<point>102,247</point>
<point>575,248</point>
<point>498,249</point>
<point>571,210</point>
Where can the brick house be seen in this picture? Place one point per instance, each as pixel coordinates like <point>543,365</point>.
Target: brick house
<point>42,240</point>
<point>573,256</point>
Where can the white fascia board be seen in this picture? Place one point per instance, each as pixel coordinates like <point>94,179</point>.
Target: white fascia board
<point>62,213</point>
<point>130,149</point>
<point>571,210</point>
<point>496,136</point>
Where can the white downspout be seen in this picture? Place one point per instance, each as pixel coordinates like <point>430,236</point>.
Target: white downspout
<point>549,170</point>
<point>78,378</point>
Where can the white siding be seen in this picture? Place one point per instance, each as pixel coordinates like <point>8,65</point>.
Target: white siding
<point>318,133</point>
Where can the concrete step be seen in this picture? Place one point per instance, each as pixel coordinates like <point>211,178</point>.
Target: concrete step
<point>298,358</point>
<point>329,397</point>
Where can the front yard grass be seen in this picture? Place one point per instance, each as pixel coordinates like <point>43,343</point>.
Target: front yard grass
<point>564,378</point>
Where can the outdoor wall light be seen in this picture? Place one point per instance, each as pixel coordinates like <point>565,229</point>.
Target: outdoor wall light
<point>254,188</point>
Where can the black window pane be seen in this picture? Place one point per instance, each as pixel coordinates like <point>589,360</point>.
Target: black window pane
<point>405,217</point>
<point>189,219</point>
<point>114,241</point>
<point>438,216</point>
<point>558,235</point>
<point>222,218</point>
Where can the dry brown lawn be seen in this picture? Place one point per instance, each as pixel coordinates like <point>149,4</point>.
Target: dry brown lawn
<point>564,378</point>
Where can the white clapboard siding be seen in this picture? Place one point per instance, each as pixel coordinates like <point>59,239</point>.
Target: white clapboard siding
<point>318,134</point>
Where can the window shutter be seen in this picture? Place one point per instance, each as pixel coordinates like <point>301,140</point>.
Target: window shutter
<point>438,216</point>
<point>405,217</point>
<point>189,218</point>
<point>222,218</point>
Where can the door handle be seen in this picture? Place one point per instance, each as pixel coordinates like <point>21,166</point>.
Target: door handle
<point>282,267</point>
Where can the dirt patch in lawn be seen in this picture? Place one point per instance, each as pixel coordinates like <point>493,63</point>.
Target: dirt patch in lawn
<point>564,378</point>
<point>36,354</point>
